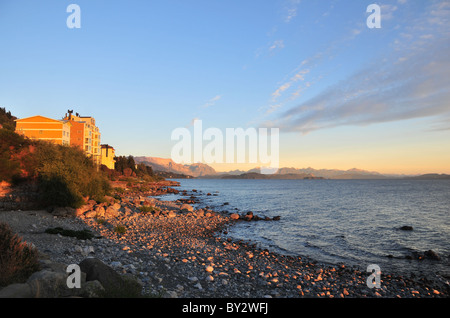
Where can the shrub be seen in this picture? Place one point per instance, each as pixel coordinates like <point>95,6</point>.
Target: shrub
<point>11,144</point>
<point>119,190</point>
<point>81,235</point>
<point>120,229</point>
<point>100,221</point>
<point>66,175</point>
<point>148,208</point>
<point>18,260</point>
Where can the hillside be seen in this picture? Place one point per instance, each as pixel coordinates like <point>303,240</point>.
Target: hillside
<point>167,165</point>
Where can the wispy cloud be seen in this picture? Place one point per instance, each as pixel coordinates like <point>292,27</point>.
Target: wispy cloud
<point>278,44</point>
<point>291,10</point>
<point>212,101</point>
<point>299,76</point>
<point>409,82</point>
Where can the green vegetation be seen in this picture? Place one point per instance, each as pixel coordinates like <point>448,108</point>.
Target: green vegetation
<point>18,260</point>
<point>81,235</point>
<point>65,174</point>
<point>100,221</point>
<point>127,167</point>
<point>7,120</point>
<point>148,209</point>
<point>120,229</point>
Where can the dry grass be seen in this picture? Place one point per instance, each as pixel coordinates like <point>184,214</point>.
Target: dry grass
<point>18,260</point>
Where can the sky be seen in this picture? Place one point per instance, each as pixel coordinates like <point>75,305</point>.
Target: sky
<point>342,95</point>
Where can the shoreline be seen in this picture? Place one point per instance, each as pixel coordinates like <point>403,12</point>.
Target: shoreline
<point>184,253</point>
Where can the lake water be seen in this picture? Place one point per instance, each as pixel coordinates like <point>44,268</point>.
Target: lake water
<point>355,222</point>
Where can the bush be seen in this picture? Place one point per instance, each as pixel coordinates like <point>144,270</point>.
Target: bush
<point>66,175</point>
<point>120,229</point>
<point>11,145</point>
<point>18,260</point>
<point>148,209</point>
<point>81,235</point>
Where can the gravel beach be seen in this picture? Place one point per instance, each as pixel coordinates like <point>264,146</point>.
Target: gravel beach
<point>179,252</point>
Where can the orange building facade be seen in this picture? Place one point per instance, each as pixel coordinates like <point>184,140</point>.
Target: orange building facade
<point>108,154</point>
<point>85,135</point>
<point>72,130</point>
<point>43,128</point>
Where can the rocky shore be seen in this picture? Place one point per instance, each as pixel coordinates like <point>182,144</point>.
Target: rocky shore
<point>176,251</point>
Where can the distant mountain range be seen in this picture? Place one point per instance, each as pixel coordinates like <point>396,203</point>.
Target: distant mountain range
<point>168,168</point>
<point>167,165</point>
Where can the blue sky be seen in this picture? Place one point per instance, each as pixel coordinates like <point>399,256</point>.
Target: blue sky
<point>343,95</point>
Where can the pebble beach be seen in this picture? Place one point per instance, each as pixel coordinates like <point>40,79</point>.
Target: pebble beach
<point>179,252</point>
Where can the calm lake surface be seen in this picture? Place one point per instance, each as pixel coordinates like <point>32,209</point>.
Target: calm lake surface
<point>355,222</point>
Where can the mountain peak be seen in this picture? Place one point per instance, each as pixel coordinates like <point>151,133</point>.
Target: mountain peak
<point>168,165</point>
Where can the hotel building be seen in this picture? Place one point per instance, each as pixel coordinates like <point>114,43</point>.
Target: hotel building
<point>84,134</point>
<point>43,128</point>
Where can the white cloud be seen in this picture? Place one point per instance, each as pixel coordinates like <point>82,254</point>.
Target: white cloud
<point>386,91</point>
<point>212,101</point>
<point>410,81</point>
<point>291,10</point>
<point>387,11</point>
<point>278,44</point>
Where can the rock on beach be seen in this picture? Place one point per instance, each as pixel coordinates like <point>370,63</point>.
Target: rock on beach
<point>178,252</point>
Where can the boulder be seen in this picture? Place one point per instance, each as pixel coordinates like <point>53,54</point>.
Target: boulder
<point>111,212</point>
<point>49,284</point>
<point>112,282</point>
<point>90,214</point>
<point>16,291</point>
<point>83,209</point>
<point>430,254</point>
<point>171,214</point>
<point>92,289</point>
<point>188,207</point>
<point>234,216</point>
<point>100,210</point>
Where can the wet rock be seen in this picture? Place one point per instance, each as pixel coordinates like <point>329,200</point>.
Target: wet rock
<point>234,216</point>
<point>430,254</point>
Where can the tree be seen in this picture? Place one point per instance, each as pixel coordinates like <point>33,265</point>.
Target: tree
<point>7,120</point>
